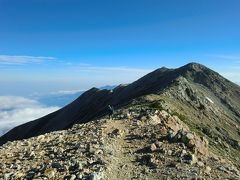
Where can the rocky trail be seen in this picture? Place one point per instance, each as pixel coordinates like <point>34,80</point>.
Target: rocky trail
<point>119,160</point>
<point>140,142</point>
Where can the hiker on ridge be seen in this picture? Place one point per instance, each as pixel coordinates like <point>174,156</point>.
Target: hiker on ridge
<point>110,111</point>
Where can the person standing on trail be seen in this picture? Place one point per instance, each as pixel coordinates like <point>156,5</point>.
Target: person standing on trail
<point>110,111</point>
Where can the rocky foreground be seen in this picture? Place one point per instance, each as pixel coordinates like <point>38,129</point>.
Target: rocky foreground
<point>140,142</point>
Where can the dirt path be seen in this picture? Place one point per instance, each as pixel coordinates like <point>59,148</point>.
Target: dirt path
<point>121,161</point>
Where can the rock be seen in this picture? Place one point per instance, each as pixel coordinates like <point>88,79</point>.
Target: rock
<point>32,155</point>
<point>179,136</point>
<point>154,120</point>
<point>42,168</point>
<point>30,175</point>
<point>148,160</point>
<point>169,152</point>
<point>90,149</point>
<point>94,176</point>
<point>183,153</point>
<point>28,143</point>
<point>79,176</point>
<point>199,144</point>
<point>235,144</point>
<point>52,156</point>
<point>73,177</point>
<point>40,138</point>
<point>207,170</point>
<point>186,138</point>
<point>99,152</point>
<point>116,133</point>
<point>138,123</point>
<point>75,166</point>
<point>192,159</point>
<point>163,130</point>
<point>234,170</point>
<point>163,114</point>
<point>56,165</point>
<point>172,164</point>
<point>170,136</point>
<point>129,115</point>
<point>8,175</point>
<point>50,173</point>
<point>19,175</point>
<point>153,147</point>
<point>15,166</point>
<point>143,118</point>
<point>214,157</point>
<point>158,144</point>
<point>200,163</point>
<point>221,168</point>
<point>172,124</point>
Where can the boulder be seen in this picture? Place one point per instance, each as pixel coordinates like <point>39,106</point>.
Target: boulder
<point>175,124</point>
<point>163,114</point>
<point>198,144</point>
<point>154,120</point>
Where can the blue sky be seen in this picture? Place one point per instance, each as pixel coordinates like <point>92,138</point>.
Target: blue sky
<point>47,46</point>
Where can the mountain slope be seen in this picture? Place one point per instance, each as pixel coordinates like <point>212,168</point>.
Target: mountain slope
<point>190,89</point>
<point>141,142</point>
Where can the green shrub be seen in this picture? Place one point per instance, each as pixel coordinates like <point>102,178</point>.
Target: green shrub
<point>156,105</point>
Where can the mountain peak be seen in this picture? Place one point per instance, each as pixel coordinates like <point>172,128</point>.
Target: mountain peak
<point>163,69</point>
<point>193,66</point>
<point>93,103</point>
<point>201,98</point>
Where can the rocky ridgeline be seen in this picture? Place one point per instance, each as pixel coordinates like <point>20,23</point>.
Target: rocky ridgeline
<point>139,143</point>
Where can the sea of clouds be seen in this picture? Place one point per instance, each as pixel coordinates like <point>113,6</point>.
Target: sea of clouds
<point>16,110</point>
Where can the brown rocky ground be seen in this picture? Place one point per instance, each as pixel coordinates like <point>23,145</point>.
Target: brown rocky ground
<point>139,143</point>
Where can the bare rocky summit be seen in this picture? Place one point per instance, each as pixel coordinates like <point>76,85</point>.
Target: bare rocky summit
<point>179,123</point>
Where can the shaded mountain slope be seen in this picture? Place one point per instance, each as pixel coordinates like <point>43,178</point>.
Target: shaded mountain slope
<point>92,104</point>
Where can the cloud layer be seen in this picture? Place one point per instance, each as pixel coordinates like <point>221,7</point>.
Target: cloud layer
<point>16,60</point>
<point>15,110</point>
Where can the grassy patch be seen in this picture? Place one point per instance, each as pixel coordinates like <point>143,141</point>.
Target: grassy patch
<point>157,105</point>
<point>180,116</point>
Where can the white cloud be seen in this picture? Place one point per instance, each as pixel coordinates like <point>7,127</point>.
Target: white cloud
<point>16,102</point>
<point>66,92</point>
<point>15,110</point>
<point>17,60</point>
<point>235,58</point>
<point>108,74</point>
<point>114,69</point>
